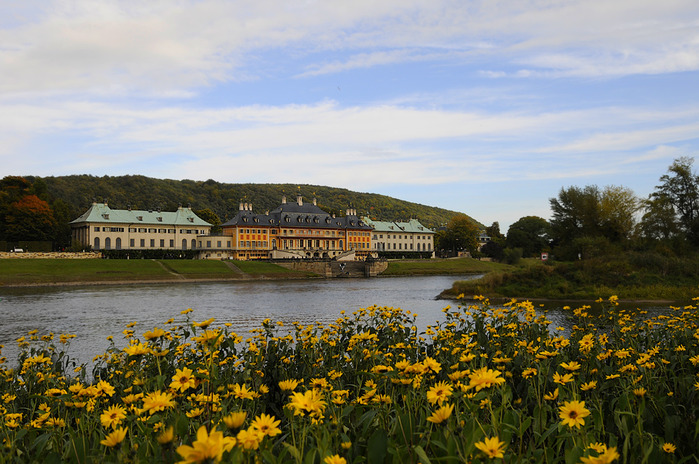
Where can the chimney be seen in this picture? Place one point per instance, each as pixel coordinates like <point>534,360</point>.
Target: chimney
<point>240,208</point>
<point>314,202</point>
<point>299,199</point>
<point>246,206</point>
<point>283,199</point>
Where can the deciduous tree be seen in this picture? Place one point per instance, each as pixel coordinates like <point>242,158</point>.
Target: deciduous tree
<point>531,234</point>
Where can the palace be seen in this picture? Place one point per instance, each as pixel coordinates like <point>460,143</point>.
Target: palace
<point>295,230</point>
<point>291,231</point>
<point>395,239</point>
<point>103,228</point>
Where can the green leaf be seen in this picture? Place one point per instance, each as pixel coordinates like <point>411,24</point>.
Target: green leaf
<point>422,455</point>
<point>377,447</point>
<point>293,451</point>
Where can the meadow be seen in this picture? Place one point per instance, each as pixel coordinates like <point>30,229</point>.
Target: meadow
<point>488,383</point>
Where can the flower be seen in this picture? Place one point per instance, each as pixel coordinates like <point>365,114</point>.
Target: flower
<point>137,349</point>
<point>206,447</point>
<point>114,438</point>
<point>551,396</point>
<point>266,425</point>
<point>485,378</point>
<point>335,459</point>
<point>113,416</point>
<point>183,380</point>
<point>158,401</point>
<point>562,379</point>
<point>235,419</point>
<point>605,457</point>
<point>166,436</point>
<point>573,413</point>
<point>289,384</point>
<point>492,447</point>
<point>639,391</point>
<point>669,448</point>
<point>441,414</point>
<point>589,385</point>
<point>439,392</point>
<point>249,438</point>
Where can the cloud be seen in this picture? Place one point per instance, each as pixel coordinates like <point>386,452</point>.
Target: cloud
<point>167,48</point>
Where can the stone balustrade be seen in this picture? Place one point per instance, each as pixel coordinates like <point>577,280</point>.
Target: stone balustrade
<point>51,255</point>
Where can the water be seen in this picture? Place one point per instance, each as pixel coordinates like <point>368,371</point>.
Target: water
<point>93,313</point>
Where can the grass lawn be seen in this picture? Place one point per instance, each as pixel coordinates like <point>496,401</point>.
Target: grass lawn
<point>38,271</point>
<point>440,266</point>
<point>261,268</point>
<point>199,268</point>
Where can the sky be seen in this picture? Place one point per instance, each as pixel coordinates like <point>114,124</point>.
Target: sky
<point>484,107</point>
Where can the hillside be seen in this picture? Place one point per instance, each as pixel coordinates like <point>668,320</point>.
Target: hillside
<point>140,192</point>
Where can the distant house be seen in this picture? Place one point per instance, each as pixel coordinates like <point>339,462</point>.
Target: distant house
<point>401,238</point>
<point>103,228</point>
<point>291,231</point>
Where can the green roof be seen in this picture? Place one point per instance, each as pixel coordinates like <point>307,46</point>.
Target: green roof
<point>103,214</point>
<point>412,226</point>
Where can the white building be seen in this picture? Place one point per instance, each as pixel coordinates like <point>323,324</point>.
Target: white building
<point>401,238</point>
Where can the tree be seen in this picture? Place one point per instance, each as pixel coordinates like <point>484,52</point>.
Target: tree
<point>461,235</point>
<point>658,221</point>
<point>210,217</point>
<point>576,213</point>
<point>680,188</point>
<point>29,218</point>
<point>617,209</point>
<point>589,212</point>
<point>531,234</point>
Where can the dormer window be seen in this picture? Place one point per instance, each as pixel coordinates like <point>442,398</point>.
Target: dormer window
<point>159,219</point>
<point>190,219</point>
<point>105,215</point>
<point>140,218</point>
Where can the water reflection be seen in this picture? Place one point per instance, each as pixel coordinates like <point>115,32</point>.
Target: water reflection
<point>93,313</point>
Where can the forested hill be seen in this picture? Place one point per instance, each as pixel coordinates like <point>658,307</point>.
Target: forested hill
<point>140,192</point>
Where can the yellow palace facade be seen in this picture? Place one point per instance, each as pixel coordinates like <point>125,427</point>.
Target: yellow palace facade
<point>291,231</point>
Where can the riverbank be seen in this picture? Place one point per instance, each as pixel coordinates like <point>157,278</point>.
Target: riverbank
<point>632,276</point>
<point>70,272</point>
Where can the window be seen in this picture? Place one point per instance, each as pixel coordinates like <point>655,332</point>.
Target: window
<point>208,244</point>
<point>118,243</point>
<point>97,243</point>
<point>162,243</point>
<point>172,243</point>
<point>97,229</point>
<point>107,243</point>
<point>132,243</point>
<point>143,243</point>
<point>218,243</point>
<point>184,243</point>
<point>152,243</point>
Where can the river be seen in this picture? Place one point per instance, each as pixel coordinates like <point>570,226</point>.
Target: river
<point>93,313</point>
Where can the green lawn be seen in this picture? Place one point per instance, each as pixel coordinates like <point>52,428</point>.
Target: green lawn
<point>198,269</point>
<point>40,271</point>
<point>442,267</point>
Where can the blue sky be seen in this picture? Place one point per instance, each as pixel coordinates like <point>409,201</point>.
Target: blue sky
<point>485,107</point>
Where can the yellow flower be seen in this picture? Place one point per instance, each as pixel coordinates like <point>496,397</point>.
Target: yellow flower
<point>112,416</point>
<point>485,378</point>
<point>289,384</point>
<point>334,459</point>
<point>243,392</point>
<point>529,372</point>
<point>137,349</point>
<point>206,447</point>
<point>441,414</point>
<point>492,447</point>
<point>669,448</point>
<point>155,333</point>
<point>562,379</point>
<point>439,392</point>
<point>606,456</point>
<point>573,413</point>
<point>571,366</point>
<point>639,391</point>
<point>309,402</point>
<point>166,436</point>
<point>183,380</point>
<point>551,396</point>
<point>250,438</point>
<point>114,438</point>
<point>589,385</point>
<point>235,419</point>
<point>158,401</point>
<point>266,425</point>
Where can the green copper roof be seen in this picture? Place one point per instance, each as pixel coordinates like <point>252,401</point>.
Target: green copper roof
<point>101,213</point>
<point>412,226</point>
